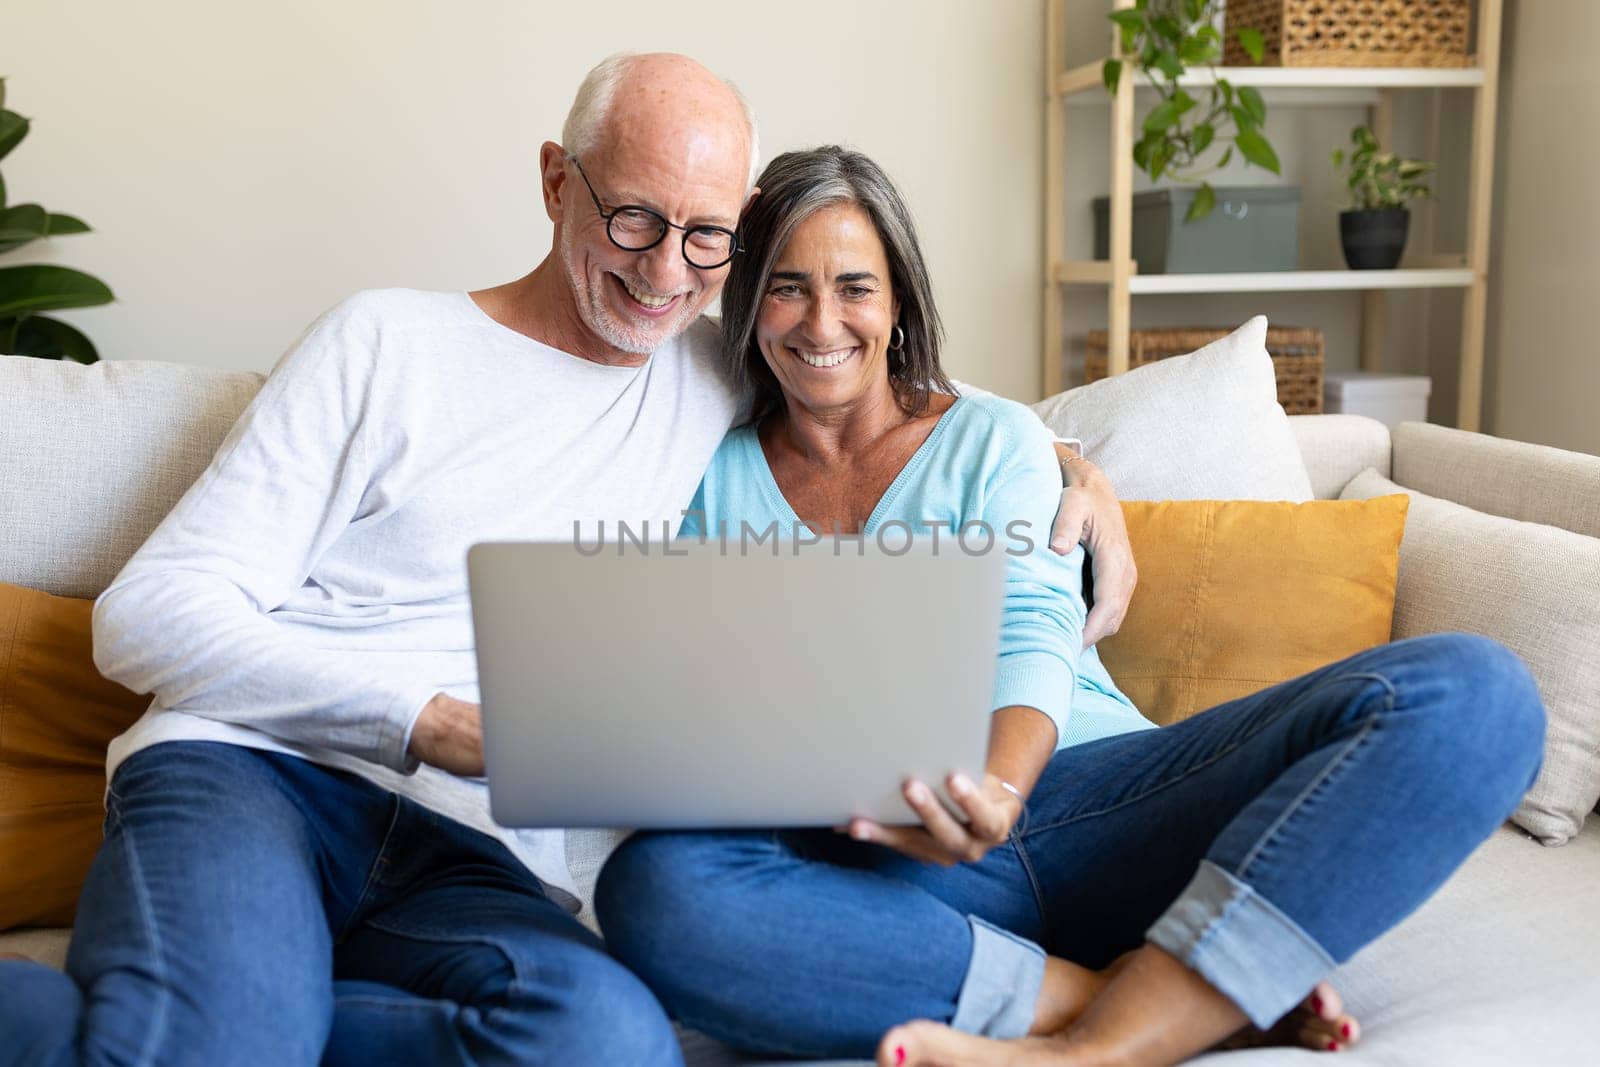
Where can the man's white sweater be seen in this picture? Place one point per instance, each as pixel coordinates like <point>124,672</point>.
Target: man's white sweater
<point>308,594</point>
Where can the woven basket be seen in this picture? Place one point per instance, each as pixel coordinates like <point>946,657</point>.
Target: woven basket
<point>1296,358</point>
<point>1352,33</point>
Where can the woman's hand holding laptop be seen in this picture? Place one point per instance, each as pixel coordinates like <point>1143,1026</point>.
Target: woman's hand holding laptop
<point>1021,741</point>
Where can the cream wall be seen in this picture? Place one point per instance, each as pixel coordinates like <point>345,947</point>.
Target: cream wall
<point>247,166</point>
<point>1544,325</point>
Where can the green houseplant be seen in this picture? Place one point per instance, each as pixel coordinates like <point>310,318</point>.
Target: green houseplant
<point>30,289</point>
<point>1373,229</point>
<point>1164,38</point>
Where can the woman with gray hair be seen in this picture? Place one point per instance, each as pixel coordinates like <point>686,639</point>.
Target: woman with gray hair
<point>1199,878</point>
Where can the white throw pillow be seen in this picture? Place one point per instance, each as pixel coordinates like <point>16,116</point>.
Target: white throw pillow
<point>1206,426</point>
<point>1532,588</point>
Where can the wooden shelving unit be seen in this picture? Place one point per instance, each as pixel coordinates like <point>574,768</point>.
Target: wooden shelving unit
<point>1287,85</point>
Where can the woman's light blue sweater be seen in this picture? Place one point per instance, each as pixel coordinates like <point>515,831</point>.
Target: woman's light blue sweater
<point>987,461</point>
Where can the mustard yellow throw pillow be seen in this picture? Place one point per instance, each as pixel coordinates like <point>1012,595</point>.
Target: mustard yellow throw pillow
<point>57,714</point>
<point>1238,595</point>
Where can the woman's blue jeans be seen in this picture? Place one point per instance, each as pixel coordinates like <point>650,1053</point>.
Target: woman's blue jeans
<point>252,908</point>
<point>1262,843</point>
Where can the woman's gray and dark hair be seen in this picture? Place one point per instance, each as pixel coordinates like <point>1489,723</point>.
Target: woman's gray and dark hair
<point>793,187</point>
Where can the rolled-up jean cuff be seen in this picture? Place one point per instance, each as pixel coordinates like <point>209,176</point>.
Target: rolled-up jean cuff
<point>1002,985</point>
<point>1257,956</point>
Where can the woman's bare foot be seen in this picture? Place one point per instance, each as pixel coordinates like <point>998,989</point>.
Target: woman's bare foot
<point>929,1044</point>
<point>1319,1023</point>
<point>1153,1011</point>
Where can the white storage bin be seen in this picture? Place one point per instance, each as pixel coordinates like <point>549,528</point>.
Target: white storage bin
<point>1389,398</point>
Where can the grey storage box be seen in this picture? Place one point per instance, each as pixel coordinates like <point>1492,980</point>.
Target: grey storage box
<point>1253,227</point>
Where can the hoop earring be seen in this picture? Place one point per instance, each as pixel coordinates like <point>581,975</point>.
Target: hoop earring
<point>897,338</point>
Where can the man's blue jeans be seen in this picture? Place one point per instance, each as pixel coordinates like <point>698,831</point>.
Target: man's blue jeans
<point>1262,843</point>
<point>252,908</point>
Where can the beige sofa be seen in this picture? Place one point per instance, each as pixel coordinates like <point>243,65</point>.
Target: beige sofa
<point>1500,968</point>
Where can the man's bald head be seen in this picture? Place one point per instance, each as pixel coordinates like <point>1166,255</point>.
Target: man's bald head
<point>649,135</point>
<point>659,94</point>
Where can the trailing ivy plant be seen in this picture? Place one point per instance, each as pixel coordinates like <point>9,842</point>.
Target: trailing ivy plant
<point>28,290</point>
<point>1165,38</point>
<point>1379,179</point>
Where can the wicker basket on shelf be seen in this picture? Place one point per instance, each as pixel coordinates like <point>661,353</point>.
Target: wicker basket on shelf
<point>1352,33</point>
<point>1296,358</point>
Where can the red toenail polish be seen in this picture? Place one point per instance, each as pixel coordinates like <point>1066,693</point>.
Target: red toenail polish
<point>1316,1004</point>
<point>1333,1046</point>
<point>1345,1030</point>
<point>899,1055</point>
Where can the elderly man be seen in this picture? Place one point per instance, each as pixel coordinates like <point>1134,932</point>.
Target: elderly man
<point>297,866</point>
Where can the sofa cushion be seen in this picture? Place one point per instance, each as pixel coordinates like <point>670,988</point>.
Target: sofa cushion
<point>1235,596</point>
<point>1498,968</point>
<point>92,458</point>
<point>1534,483</point>
<point>56,717</point>
<point>1533,588</point>
<point>1206,426</point>
<point>45,945</point>
<point>1336,448</point>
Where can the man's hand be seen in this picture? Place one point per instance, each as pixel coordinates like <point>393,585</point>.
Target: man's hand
<point>449,735</point>
<point>990,808</point>
<point>1091,514</point>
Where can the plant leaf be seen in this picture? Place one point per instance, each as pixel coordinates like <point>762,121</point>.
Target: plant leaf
<point>1203,135</point>
<point>45,287</point>
<point>1141,150</point>
<point>1111,73</point>
<point>1227,157</point>
<point>47,338</point>
<point>13,128</point>
<point>1163,116</point>
<point>1194,10</point>
<point>1204,201</point>
<point>63,225</point>
<point>1254,45</point>
<point>21,224</point>
<point>2,186</point>
<point>1196,52</point>
<point>1167,26</point>
<point>1128,19</point>
<point>1250,100</point>
<point>1255,148</point>
<point>1160,156</point>
<point>1167,62</point>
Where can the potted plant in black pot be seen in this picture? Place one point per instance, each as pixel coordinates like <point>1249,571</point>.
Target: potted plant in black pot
<point>1381,184</point>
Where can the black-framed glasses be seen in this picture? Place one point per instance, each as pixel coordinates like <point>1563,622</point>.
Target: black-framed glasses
<point>635,228</point>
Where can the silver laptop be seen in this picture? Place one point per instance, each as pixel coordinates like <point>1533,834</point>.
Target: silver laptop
<point>781,686</point>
